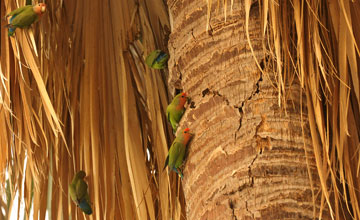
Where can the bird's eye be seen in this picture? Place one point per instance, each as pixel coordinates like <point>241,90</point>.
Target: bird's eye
<point>182,96</point>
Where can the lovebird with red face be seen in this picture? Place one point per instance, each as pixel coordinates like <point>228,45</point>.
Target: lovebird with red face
<point>24,16</point>
<point>176,153</point>
<point>79,193</point>
<point>176,109</point>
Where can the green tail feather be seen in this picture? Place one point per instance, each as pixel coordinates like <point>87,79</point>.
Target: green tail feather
<point>11,32</point>
<point>85,207</point>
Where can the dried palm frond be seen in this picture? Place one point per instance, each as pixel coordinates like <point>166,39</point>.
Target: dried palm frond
<point>75,94</point>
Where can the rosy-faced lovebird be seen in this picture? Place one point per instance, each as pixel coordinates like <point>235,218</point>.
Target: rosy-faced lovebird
<point>176,153</point>
<point>24,16</point>
<point>176,109</point>
<point>157,59</point>
<point>79,194</point>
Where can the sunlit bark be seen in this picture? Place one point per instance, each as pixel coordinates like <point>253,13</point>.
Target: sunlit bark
<point>248,159</point>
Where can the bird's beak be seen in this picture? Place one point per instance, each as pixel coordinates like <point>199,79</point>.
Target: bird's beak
<point>43,9</point>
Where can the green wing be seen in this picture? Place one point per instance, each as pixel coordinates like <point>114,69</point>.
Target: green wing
<point>72,192</point>
<point>161,61</point>
<point>77,187</point>
<point>157,59</point>
<point>168,112</point>
<point>180,157</point>
<point>178,115</point>
<point>170,116</point>
<point>81,190</point>
<point>151,57</point>
<point>19,10</point>
<point>176,155</point>
<point>25,18</point>
<point>173,123</point>
<point>174,116</point>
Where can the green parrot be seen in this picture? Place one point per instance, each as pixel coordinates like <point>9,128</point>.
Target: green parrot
<point>79,194</point>
<point>176,109</point>
<point>176,153</point>
<point>24,16</point>
<point>157,59</point>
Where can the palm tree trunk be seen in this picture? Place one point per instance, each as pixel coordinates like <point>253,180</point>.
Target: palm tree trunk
<point>248,159</point>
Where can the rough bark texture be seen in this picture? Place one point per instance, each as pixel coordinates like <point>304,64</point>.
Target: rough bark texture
<point>247,160</point>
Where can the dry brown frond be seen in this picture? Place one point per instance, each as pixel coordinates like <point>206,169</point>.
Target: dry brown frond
<point>77,93</point>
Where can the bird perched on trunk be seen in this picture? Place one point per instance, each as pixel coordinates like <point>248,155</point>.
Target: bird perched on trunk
<point>176,109</point>
<point>79,194</point>
<point>24,16</point>
<point>176,153</point>
<point>157,59</point>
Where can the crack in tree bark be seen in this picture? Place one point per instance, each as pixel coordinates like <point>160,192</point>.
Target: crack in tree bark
<point>251,178</point>
<point>207,91</point>
<point>257,90</point>
<point>180,75</point>
<point>232,207</point>
<point>192,33</point>
<point>210,31</point>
